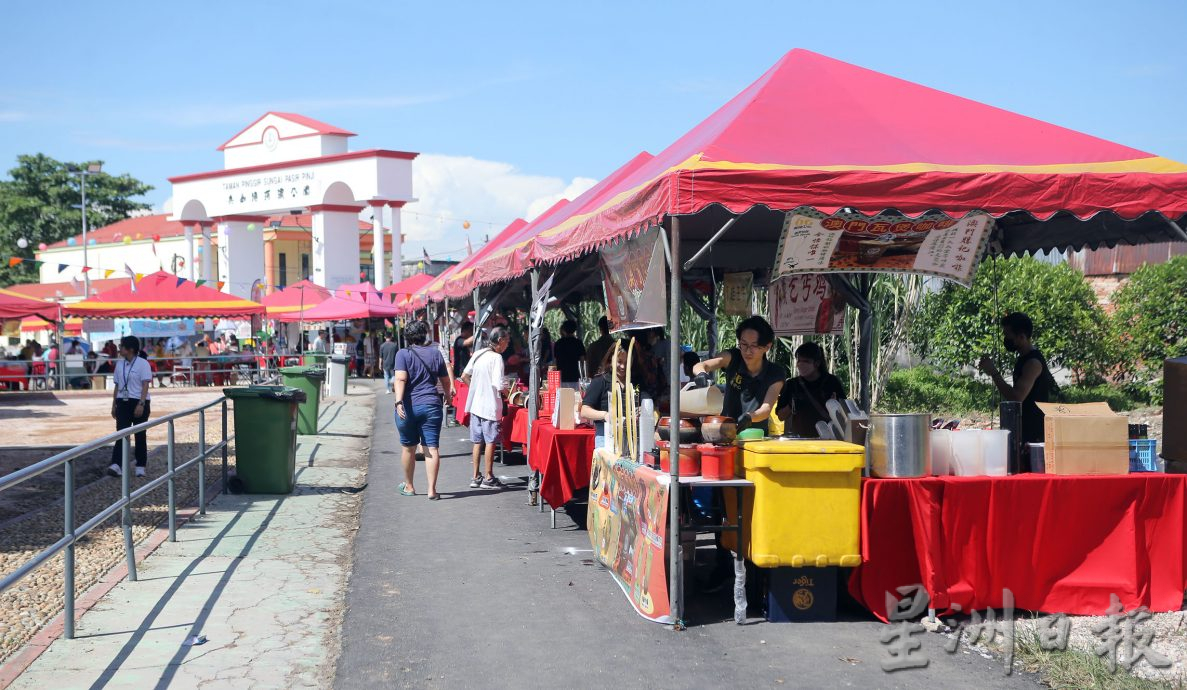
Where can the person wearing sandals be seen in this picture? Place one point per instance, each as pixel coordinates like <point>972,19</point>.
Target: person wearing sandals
<point>484,403</point>
<point>419,368</point>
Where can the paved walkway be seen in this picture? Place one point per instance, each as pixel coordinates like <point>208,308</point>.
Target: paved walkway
<point>475,591</point>
<point>262,577</point>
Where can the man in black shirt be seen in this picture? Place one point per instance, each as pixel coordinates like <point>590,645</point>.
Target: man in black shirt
<point>598,348</point>
<point>462,347</point>
<point>569,353</point>
<point>752,382</point>
<point>1033,382</point>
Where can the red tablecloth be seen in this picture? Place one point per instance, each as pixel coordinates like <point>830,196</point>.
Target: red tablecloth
<point>563,459</point>
<point>1059,544</point>
<point>14,372</point>
<point>519,425</point>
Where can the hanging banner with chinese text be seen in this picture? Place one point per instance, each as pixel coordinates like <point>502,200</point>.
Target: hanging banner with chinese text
<point>736,291</point>
<point>634,280</point>
<point>627,520</point>
<point>804,305</point>
<point>933,244</point>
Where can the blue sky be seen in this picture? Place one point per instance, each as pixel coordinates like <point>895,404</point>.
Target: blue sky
<point>519,103</point>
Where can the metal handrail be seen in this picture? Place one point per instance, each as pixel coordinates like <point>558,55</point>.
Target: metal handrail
<point>57,375</point>
<point>71,534</point>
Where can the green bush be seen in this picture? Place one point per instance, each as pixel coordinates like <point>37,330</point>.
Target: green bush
<point>1150,322</point>
<point>921,389</point>
<point>956,325</point>
<point>1120,398</point>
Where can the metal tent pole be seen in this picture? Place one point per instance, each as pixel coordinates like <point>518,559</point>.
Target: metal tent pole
<point>676,562</point>
<point>533,389</point>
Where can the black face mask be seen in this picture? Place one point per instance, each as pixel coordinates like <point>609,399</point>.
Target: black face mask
<point>1011,346</point>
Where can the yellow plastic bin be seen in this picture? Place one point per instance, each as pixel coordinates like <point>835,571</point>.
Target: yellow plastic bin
<point>805,509</point>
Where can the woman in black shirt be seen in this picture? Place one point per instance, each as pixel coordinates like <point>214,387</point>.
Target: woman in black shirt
<point>805,396</point>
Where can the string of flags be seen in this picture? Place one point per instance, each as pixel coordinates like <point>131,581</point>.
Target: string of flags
<point>220,284</point>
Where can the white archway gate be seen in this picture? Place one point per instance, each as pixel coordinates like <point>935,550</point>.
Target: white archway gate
<point>286,163</point>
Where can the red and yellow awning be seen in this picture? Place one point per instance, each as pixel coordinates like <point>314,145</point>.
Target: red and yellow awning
<point>163,296</point>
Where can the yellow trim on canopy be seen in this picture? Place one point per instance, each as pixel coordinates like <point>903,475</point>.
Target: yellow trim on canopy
<point>184,306</point>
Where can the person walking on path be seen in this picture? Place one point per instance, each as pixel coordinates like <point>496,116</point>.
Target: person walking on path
<point>419,369</point>
<point>130,404</point>
<point>387,357</point>
<point>484,375</point>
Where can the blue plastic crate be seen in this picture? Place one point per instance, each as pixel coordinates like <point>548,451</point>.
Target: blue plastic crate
<point>1142,455</point>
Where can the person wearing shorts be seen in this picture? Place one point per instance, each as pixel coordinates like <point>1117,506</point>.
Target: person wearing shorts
<point>484,403</point>
<point>418,371</point>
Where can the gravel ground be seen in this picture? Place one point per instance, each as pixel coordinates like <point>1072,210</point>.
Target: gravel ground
<point>36,599</point>
<point>1169,639</point>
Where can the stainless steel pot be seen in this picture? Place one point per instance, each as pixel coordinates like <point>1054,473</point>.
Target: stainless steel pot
<point>899,445</point>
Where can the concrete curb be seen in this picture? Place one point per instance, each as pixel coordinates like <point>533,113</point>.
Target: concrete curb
<point>22,660</point>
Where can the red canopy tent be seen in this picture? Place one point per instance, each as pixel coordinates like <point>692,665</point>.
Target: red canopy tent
<point>401,293</point>
<point>36,323</point>
<point>14,305</point>
<point>353,301</point>
<point>163,296</point>
<point>294,298</point>
<point>453,283</point>
<point>814,131</point>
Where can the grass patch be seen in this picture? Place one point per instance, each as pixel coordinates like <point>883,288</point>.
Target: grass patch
<point>1076,669</point>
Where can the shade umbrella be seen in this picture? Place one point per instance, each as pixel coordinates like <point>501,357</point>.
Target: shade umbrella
<point>163,295</point>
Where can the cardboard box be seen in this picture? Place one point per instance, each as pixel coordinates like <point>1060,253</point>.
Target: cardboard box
<point>1085,439</point>
<point>566,409</point>
<point>1174,413</point>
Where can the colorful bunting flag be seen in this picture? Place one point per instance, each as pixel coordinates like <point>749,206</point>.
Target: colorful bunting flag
<point>139,277</point>
<point>107,272</point>
<point>62,267</point>
<point>198,283</point>
<point>85,269</point>
<point>180,282</point>
<point>15,261</point>
<point>220,284</point>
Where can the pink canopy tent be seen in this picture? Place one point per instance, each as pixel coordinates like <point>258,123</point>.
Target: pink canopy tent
<point>14,305</point>
<point>352,301</point>
<point>401,293</point>
<point>453,283</point>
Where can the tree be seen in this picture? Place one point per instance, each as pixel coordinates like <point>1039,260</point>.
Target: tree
<point>956,325</point>
<point>40,204</point>
<point>1151,317</point>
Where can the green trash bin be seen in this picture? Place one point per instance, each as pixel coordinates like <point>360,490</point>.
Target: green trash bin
<point>266,437</point>
<point>308,379</point>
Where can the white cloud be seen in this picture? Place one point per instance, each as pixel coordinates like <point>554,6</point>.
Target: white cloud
<point>489,194</point>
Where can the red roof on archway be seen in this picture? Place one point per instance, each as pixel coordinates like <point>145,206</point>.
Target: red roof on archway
<point>163,296</point>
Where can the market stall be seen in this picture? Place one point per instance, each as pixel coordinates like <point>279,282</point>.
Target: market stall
<point>872,174</point>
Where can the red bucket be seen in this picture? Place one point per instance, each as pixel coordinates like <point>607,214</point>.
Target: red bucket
<point>717,462</point>
<point>690,459</point>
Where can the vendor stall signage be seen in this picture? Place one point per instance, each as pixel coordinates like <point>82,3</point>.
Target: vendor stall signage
<point>804,305</point>
<point>736,293</point>
<point>932,244</point>
<point>152,328</point>
<point>627,519</point>
<point>633,278</point>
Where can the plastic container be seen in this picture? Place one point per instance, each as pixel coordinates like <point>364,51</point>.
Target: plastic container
<point>1038,461</point>
<point>966,454</point>
<point>717,462</point>
<point>750,434</point>
<point>995,452</point>
<point>805,506</point>
<point>1142,455</point>
<point>941,452</point>
<point>690,459</point>
<point>337,371</point>
<point>308,379</point>
<point>266,437</point>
